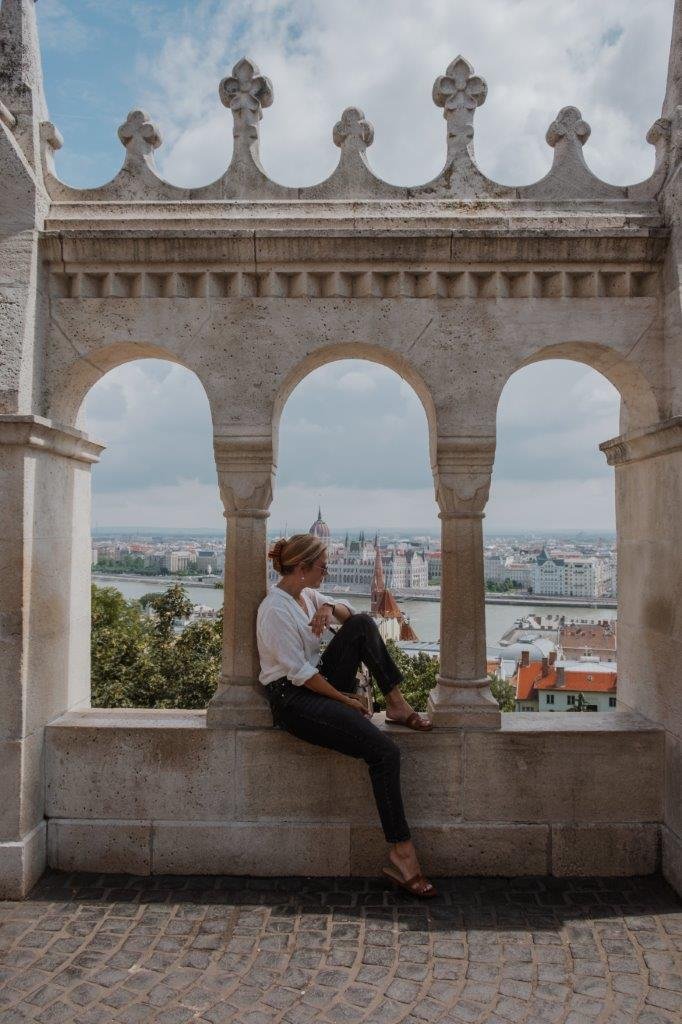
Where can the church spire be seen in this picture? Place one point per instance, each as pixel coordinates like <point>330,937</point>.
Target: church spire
<point>378,582</point>
<point>21,74</point>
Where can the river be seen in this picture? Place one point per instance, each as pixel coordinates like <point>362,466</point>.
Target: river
<point>424,616</point>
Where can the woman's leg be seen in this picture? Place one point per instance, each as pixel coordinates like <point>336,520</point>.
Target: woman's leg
<point>359,640</point>
<point>328,723</point>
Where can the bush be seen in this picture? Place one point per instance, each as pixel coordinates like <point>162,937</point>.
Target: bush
<point>419,678</point>
<point>139,661</point>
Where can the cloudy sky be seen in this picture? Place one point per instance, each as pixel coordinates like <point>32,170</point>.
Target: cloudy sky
<point>353,435</point>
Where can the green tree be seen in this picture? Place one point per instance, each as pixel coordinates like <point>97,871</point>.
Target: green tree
<point>124,672</point>
<point>169,607</point>
<point>139,660</point>
<point>503,692</point>
<point>419,678</point>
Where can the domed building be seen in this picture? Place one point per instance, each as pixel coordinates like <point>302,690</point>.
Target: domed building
<point>320,529</point>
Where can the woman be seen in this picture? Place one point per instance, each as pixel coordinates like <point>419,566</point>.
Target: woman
<point>314,698</point>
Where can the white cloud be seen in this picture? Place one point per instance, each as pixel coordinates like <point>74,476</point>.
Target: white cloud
<point>608,58</point>
<point>359,383</point>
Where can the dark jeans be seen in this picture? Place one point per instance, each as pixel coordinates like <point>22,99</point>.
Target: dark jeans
<point>328,723</point>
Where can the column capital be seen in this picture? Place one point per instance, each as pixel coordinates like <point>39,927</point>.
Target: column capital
<point>462,472</point>
<point>246,467</point>
<point>45,435</point>
<point>658,439</point>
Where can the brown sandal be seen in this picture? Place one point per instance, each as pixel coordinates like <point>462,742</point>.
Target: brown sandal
<point>413,721</point>
<point>416,886</point>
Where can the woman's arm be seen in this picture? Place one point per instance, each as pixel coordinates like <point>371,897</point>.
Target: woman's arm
<point>321,685</point>
<point>342,612</point>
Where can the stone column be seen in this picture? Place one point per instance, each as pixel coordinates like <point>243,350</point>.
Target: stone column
<point>44,621</point>
<point>245,476</point>
<point>462,695</point>
<point>648,470</point>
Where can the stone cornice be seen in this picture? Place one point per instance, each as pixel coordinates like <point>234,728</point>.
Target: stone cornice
<point>659,439</point>
<point>416,217</point>
<point>313,244</point>
<point>50,437</point>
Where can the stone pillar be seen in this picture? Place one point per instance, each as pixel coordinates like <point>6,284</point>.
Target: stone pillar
<point>462,696</point>
<point>648,470</point>
<point>44,620</point>
<point>245,476</point>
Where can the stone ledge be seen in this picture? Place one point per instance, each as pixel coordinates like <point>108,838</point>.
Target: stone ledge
<point>45,435</point>
<point>549,723</point>
<point>320,848</point>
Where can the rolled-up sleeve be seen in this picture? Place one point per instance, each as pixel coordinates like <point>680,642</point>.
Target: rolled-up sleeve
<point>320,599</point>
<point>279,635</point>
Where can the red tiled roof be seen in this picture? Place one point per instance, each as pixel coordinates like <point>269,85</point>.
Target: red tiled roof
<point>406,631</point>
<point>387,606</point>
<point>529,678</point>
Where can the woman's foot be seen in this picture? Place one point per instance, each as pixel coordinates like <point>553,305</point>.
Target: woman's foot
<point>405,864</point>
<point>398,710</point>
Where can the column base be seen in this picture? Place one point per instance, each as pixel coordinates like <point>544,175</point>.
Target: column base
<point>464,704</point>
<point>22,863</point>
<point>238,704</point>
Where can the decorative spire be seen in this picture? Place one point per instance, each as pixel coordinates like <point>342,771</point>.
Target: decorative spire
<point>673,88</point>
<point>21,74</point>
<point>459,92</point>
<point>139,135</point>
<point>568,127</point>
<point>353,130</point>
<point>246,92</point>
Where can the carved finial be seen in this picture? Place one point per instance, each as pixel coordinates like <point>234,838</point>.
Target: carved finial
<point>568,125</point>
<point>459,91</point>
<point>51,136</point>
<point>51,140</point>
<point>353,128</point>
<point>246,92</point>
<point>139,135</point>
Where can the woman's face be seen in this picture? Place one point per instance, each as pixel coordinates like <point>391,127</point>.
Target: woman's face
<point>314,574</point>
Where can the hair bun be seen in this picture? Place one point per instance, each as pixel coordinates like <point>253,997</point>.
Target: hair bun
<point>275,554</point>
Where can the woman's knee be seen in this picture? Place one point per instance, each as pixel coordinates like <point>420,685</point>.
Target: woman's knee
<point>363,622</point>
<point>386,752</point>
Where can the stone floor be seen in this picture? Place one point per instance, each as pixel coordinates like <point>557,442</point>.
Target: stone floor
<point>99,949</point>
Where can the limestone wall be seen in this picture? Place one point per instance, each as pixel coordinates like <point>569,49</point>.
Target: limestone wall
<point>156,792</point>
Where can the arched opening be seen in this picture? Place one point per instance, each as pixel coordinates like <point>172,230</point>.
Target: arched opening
<point>353,441</point>
<point>157,539</point>
<point>550,558</point>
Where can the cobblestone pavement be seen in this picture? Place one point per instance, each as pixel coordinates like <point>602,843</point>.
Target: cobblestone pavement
<point>98,949</point>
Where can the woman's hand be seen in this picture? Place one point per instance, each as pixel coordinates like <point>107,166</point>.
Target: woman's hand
<point>321,620</point>
<point>354,702</point>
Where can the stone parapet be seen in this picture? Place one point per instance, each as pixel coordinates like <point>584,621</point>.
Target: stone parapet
<point>545,797</point>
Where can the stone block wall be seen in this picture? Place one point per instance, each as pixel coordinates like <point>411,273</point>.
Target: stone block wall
<point>152,792</point>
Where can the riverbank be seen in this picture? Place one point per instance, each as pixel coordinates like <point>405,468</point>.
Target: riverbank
<point>401,594</point>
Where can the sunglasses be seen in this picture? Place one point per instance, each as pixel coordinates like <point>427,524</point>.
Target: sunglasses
<point>323,568</point>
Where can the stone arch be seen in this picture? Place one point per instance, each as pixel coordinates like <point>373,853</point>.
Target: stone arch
<point>356,350</point>
<point>73,382</point>
<point>639,403</point>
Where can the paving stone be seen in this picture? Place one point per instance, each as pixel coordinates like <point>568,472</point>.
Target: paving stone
<point>263,951</point>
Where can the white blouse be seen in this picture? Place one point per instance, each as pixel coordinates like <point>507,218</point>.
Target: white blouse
<point>287,645</point>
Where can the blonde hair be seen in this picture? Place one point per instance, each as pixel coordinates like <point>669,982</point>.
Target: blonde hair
<point>302,547</point>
